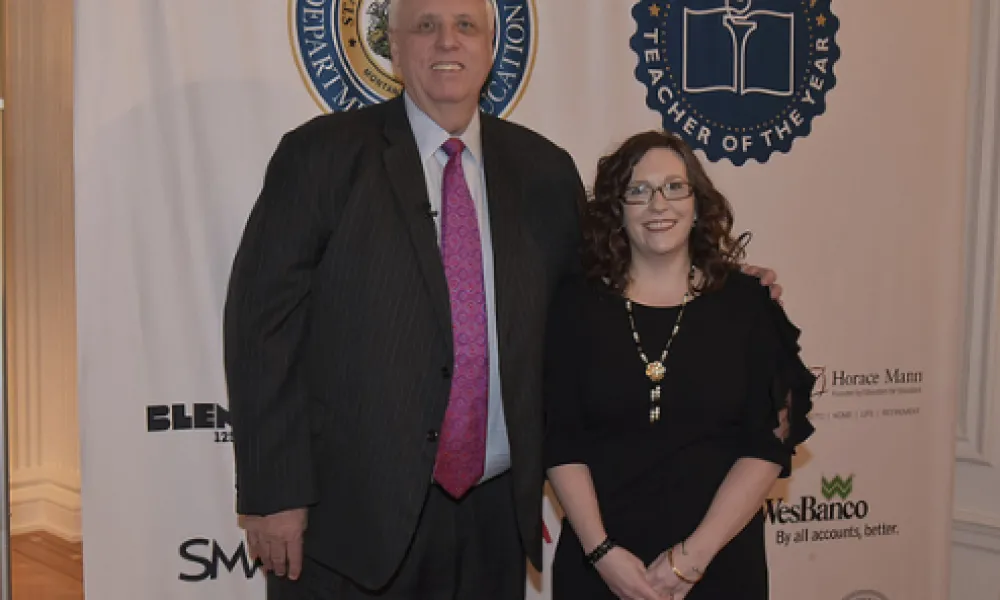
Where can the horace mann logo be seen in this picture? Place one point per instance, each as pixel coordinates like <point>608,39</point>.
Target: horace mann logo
<point>739,79</point>
<point>342,49</point>
<point>212,418</point>
<point>888,383</point>
<point>836,514</point>
<point>206,559</point>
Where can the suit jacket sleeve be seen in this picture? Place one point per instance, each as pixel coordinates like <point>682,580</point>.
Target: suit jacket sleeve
<point>577,203</point>
<point>264,323</point>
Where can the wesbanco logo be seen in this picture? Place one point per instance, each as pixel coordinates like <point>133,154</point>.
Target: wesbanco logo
<point>207,556</point>
<point>839,515</point>
<point>810,508</point>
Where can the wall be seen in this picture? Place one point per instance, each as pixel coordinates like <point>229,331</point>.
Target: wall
<point>976,550</point>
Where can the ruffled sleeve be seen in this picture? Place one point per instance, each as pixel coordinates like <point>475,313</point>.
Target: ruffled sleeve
<point>779,381</point>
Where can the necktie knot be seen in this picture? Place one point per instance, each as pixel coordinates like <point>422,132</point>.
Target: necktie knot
<point>452,147</point>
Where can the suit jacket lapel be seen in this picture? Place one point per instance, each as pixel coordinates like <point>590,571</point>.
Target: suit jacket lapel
<point>406,176</point>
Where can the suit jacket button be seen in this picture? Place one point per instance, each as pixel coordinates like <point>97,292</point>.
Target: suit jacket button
<point>446,372</point>
<point>432,436</point>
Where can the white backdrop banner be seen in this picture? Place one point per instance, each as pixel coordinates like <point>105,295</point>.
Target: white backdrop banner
<point>816,119</point>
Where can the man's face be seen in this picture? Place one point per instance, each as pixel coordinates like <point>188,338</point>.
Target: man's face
<point>444,50</point>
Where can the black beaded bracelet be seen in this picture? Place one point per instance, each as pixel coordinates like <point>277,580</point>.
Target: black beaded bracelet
<point>598,553</point>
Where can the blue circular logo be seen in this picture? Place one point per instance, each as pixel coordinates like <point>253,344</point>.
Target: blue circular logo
<point>739,79</point>
<point>342,50</point>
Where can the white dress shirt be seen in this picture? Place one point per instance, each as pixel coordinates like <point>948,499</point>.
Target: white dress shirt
<point>430,136</point>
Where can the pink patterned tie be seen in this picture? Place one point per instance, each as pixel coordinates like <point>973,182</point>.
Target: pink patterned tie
<point>462,450</point>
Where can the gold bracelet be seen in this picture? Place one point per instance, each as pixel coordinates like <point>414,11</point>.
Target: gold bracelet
<point>670,561</point>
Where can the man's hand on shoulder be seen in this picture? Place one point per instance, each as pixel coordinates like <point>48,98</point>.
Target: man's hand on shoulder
<point>767,277</point>
<point>277,540</point>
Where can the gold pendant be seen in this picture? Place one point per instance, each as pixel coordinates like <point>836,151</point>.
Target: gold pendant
<point>655,371</point>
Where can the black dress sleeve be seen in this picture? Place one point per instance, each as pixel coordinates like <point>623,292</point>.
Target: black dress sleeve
<point>564,428</point>
<point>779,380</point>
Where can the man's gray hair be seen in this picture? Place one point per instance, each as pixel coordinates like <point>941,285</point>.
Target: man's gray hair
<point>394,4</point>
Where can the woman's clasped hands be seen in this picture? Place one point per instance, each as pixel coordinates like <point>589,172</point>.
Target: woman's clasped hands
<point>629,579</point>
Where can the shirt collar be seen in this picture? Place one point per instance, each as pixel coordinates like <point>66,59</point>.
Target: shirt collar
<point>430,136</point>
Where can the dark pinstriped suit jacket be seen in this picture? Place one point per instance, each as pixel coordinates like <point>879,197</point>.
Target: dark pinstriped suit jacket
<point>338,345</point>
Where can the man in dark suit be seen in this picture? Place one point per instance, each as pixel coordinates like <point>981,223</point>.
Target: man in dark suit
<point>384,329</point>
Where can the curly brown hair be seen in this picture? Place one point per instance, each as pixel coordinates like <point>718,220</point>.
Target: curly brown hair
<point>606,252</point>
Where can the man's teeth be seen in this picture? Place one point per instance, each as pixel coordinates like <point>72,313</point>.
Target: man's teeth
<point>447,67</point>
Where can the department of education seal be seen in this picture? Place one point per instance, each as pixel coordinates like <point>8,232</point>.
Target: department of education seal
<point>739,79</point>
<point>342,51</point>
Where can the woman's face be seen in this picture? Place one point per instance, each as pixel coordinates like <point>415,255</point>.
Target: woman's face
<point>659,206</point>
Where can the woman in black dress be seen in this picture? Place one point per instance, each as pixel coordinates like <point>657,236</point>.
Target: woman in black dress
<point>675,395</point>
